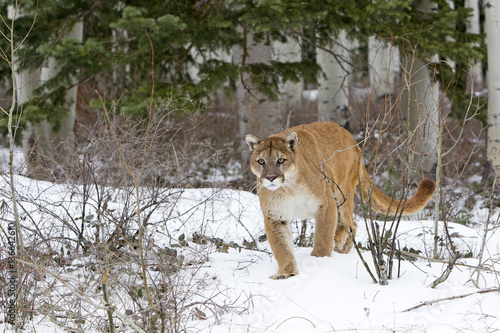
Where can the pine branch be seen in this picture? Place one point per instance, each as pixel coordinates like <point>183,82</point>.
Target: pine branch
<point>336,56</point>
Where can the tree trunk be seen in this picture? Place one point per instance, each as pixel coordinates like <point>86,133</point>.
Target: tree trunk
<point>475,81</point>
<point>46,150</point>
<point>27,81</point>
<point>492,27</point>
<point>383,58</point>
<point>290,92</point>
<point>333,89</point>
<point>420,106</point>
<point>193,68</point>
<point>257,115</point>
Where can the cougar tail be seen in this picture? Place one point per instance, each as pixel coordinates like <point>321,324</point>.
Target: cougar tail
<point>382,203</point>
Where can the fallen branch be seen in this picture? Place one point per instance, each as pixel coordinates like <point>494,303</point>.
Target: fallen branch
<point>428,303</point>
<point>417,256</point>
<point>447,272</point>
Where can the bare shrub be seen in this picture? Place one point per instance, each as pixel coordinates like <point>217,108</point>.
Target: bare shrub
<point>87,262</point>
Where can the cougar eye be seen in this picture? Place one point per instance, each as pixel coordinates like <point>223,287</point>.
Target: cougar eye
<point>261,161</point>
<point>281,160</point>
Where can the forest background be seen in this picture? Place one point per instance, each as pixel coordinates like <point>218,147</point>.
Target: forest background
<point>160,95</point>
<point>252,59</point>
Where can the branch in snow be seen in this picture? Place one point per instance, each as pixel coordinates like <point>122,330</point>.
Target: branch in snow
<point>414,255</point>
<point>447,272</point>
<point>84,297</point>
<point>428,303</point>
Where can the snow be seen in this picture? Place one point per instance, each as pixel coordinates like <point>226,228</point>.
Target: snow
<point>330,294</point>
<point>311,95</point>
<point>18,160</point>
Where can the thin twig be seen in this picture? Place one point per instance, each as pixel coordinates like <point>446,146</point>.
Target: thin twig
<point>82,296</point>
<point>362,259</point>
<point>417,256</point>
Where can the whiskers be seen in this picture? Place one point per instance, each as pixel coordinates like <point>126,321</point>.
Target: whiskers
<point>256,186</point>
<point>290,187</point>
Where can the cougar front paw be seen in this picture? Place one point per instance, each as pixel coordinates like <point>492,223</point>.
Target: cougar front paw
<point>321,252</point>
<point>282,276</point>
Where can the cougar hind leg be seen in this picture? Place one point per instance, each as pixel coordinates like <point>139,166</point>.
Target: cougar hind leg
<point>326,223</point>
<point>345,227</point>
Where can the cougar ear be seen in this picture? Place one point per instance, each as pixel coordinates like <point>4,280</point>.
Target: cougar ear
<point>291,140</point>
<point>252,141</point>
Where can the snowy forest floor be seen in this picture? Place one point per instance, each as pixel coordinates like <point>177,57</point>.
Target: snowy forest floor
<point>208,265</point>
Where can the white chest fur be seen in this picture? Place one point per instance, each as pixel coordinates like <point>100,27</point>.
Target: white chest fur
<point>287,206</point>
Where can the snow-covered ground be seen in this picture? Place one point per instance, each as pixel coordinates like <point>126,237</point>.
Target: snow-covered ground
<point>333,294</point>
<point>336,293</point>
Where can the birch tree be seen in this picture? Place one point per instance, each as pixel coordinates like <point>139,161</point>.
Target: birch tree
<point>473,26</point>
<point>492,28</point>
<point>290,93</point>
<point>257,114</point>
<point>383,62</point>
<point>333,85</point>
<point>420,104</point>
<point>47,149</point>
<point>176,28</point>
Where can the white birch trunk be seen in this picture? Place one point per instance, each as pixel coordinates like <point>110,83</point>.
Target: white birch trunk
<point>492,27</point>
<point>43,147</point>
<point>333,90</point>
<point>118,75</point>
<point>27,81</point>
<point>383,57</point>
<point>290,92</point>
<point>66,133</point>
<point>475,81</point>
<point>420,104</point>
<point>258,115</point>
<point>193,69</point>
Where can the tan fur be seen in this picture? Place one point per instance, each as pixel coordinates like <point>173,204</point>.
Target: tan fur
<point>310,171</point>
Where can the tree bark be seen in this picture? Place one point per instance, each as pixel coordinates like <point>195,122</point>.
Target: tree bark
<point>257,114</point>
<point>45,149</point>
<point>475,81</point>
<point>492,27</point>
<point>420,106</point>
<point>290,92</point>
<point>26,82</point>
<point>383,58</point>
<point>333,89</point>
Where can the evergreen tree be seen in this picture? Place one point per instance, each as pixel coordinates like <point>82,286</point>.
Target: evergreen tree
<point>118,35</point>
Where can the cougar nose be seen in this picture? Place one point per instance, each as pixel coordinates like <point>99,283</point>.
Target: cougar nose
<point>271,178</point>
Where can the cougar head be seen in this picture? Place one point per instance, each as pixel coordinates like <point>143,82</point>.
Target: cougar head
<point>273,159</point>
